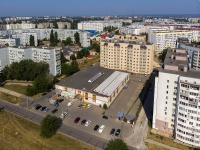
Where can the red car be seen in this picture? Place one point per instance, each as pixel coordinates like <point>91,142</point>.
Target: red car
<point>77,120</point>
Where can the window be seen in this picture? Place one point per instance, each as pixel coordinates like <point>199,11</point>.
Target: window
<point>165,113</point>
<point>165,102</point>
<point>167,81</point>
<point>167,86</point>
<point>166,97</point>
<point>166,92</point>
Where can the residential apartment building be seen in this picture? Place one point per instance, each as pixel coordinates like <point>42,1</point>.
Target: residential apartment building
<point>10,41</point>
<point>165,39</point>
<point>64,25</point>
<point>8,55</point>
<point>25,39</point>
<point>20,26</point>
<point>130,30</point>
<point>99,25</point>
<point>176,108</point>
<point>127,55</point>
<point>84,38</point>
<point>130,37</point>
<point>2,27</point>
<point>45,25</point>
<point>193,51</point>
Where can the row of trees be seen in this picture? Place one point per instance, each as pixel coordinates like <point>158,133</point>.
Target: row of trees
<point>162,55</point>
<point>110,28</point>
<point>32,42</point>
<point>53,38</point>
<point>83,53</point>
<point>69,69</point>
<point>95,46</point>
<point>68,41</point>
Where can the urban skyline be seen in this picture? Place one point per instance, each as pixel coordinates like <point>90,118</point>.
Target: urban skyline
<point>60,8</point>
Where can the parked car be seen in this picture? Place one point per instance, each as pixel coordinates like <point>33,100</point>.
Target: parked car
<point>112,132</point>
<point>69,104</point>
<point>89,105</point>
<point>96,127</point>
<point>101,129</point>
<point>117,133</point>
<point>54,111</point>
<point>47,109</point>
<point>87,123</point>
<point>62,116</point>
<point>44,94</point>
<point>84,105</point>
<point>77,120</point>
<point>105,117</point>
<point>83,121</point>
<point>37,106</point>
<point>43,108</point>
<point>80,105</point>
<point>60,100</point>
<point>1,108</point>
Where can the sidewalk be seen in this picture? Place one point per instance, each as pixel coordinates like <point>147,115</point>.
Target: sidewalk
<point>24,97</point>
<point>161,145</point>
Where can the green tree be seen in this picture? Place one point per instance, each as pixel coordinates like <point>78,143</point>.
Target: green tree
<point>77,37</point>
<point>72,57</point>
<point>49,126</point>
<point>55,25</point>
<point>62,58</point>
<point>55,39</point>
<point>31,40</point>
<point>162,55</point>
<point>51,38</point>
<point>105,106</point>
<point>96,46</point>
<point>41,83</point>
<point>68,41</point>
<point>117,144</point>
<point>36,26</point>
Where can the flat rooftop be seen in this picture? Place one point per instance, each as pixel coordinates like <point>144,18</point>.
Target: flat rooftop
<point>136,42</point>
<point>80,80</point>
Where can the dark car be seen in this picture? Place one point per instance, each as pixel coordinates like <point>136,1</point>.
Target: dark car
<point>54,111</point>
<point>43,108</point>
<point>117,133</point>
<point>60,100</point>
<point>1,108</point>
<point>77,120</point>
<point>37,106</point>
<point>105,117</point>
<point>83,121</point>
<point>96,127</point>
<point>112,132</point>
<point>80,105</point>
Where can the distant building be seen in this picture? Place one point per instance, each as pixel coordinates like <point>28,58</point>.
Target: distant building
<point>99,25</point>
<point>20,26</point>
<point>25,38</point>
<point>84,38</point>
<point>127,55</point>
<point>64,25</point>
<point>8,55</point>
<point>130,37</point>
<point>2,27</point>
<point>194,20</point>
<point>10,41</point>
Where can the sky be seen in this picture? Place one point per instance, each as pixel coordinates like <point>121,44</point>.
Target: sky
<point>96,7</point>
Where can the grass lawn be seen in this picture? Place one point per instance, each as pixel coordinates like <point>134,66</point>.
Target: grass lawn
<point>16,88</point>
<point>167,141</point>
<point>88,62</point>
<point>154,147</point>
<point>18,133</point>
<point>10,98</point>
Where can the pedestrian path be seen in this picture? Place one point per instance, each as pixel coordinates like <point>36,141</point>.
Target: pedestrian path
<point>161,145</point>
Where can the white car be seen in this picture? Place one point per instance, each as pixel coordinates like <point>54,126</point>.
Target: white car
<point>69,104</point>
<point>89,105</point>
<point>87,123</point>
<point>62,116</point>
<point>101,129</point>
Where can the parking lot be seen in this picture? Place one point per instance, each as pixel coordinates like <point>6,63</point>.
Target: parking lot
<point>122,103</point>
<point>94,113</point>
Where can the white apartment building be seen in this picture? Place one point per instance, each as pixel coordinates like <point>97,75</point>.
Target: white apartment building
<point>10,41</point>
<point>84,38</point>
<point>130,30</point>
<point>165,39</point>
<point>20,26</point>
<point>127,55</point>
<point>176,108</point>
<point>8,55</point>
<point>25,38</point>
<point>99,25</point>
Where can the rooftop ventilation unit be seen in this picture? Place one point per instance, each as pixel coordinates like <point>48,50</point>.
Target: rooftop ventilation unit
<point>95,77</point>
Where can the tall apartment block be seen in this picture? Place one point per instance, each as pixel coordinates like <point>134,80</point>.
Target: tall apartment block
<point>177,99</point>
<point>166,39</point>
<point>8,55</point>
<point>127,55</point>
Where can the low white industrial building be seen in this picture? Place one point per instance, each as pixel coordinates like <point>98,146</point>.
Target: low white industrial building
<point>94,85</point>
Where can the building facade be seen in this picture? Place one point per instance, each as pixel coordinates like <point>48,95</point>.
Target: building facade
<point>10,41</point>
<point>166,39</point>
<point>131,56</point>
<point>8,55</point>
<point>176,99</point>
<point>99,25</point>
<point>20,26</point>
<point>84,38</point>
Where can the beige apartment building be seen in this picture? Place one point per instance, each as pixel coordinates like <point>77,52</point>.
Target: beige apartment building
<point>127,55</point>
<point>131,37</point>
<point>64,25</point>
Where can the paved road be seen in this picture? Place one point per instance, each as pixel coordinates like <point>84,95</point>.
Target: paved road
<point>77,134</point>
